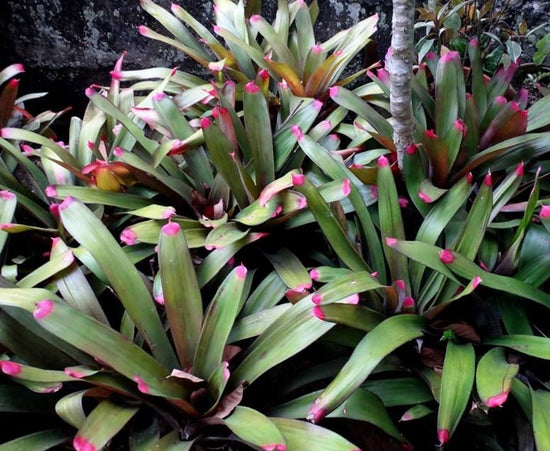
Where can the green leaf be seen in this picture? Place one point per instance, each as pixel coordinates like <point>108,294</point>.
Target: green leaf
<point>541,418</point>
<point>267,294</point>
<point>299,434</point>
<point>8,202</point>
<point>90,232</point>
<point>96,196</point>
<point>399,391</point>
<point>37,441</point>
<point>356,316</point>
<point>377,344</point>
<point>494,376</point>
<point>103,423</point>
<point>256,323</point>
<point>526,344</point>
<point>290,269</point>
<point>296,328</point>
<point>181,292</point>
<point>255,428</point>
<point>258,130</point>
<point>456,384</point>
<point>218,321</point>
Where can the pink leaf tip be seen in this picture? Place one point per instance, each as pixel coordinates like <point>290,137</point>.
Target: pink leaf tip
<point>449,57</point>
<point>297,132</point>
<point>317,48</point>
<point>400,284</point>
<point>252,88</point>
<point>411,149</point>
<point>383,162</point>
<point>446,256</point>
<point>241,271</point>
<point>118,152</point>
<point>316,413</point>
<point>317,105</point>
<point>10,368</point>
<point>443,435</point>
<point>115,74</point>
<point>81,444</point>
<point>474,42</point>
<point>171,229</point>
<point>408,303</point>
<point>159,96</point>
<point>159,299</point>
<point>217,29</point>
<point>430,134</point>
<point>142,29</point>
<point>317,312</point>
<point>501,100</point>
<point>346,187</point>
<point>42,309</point>
<point>403,203</point>
<point>545,212</point>
<point>476,281</point>
<point>314,274</point>
<point>7,195</point>
<point>66,203</point>
<point>497,400</point>
<point>391,241</point>
<point>205,123</point>
<point>142,385</point>
<point>460,126</point>
<point>226,373</point>
<point>352,299</point>
<point>71,372</point>
<point>298,179</point>
<point>424,197</point>
<point>128,236</point>
<point>333,91</point>
<point>274,447</point>
<point>317,298</point>
<point>168,212</point>
<point>90,92</point>
<point>520,169</point>
<point>470,178</point>
<point>50,191</point>
<point>301,287</point>
<point>255,18</point>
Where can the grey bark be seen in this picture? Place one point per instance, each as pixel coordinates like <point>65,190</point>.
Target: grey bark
<point>400,69</point>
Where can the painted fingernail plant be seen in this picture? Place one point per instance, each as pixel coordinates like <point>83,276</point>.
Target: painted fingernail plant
<point>236,261</point>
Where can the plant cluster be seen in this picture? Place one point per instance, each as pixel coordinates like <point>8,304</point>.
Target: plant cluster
<point>238,263</point>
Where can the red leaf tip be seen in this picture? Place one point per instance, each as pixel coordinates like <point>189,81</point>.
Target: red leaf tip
<point>205,123</point>
<point>297,132</point>
<point>142,385</point>
<point>81,444</point>
<point>171,229</point>
<point>298,179</point>
<point>252,88</point>
<point>346,187</point>
<point>383,162</point>
<point>400,283</point>
<point>520,169</point>
<point>443,435</point>
<point>10,368</point>
<point>408,302</point>
<point>488,180</point>
<point>116,74</point>
<point>128,236</point>
<point>411,149</point>
<point>241,271</point>
<point>545,212</point>
<point>446,256</point>
<point>317,298</point>
<point>316,413</point>
<point>430,134</point>
<point>497,400</point>
<point>317,312</point>
<point>42,309</point>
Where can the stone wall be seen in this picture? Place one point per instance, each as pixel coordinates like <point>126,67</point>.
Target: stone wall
<point>68,44</point>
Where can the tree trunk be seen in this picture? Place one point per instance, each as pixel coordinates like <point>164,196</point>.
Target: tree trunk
<point>400,69</point>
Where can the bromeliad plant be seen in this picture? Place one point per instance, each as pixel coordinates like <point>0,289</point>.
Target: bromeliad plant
<point>277,242</point>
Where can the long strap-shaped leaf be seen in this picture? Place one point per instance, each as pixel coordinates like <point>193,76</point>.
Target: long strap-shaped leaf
<point>103,423</point>
<point>377,344</point>
<point>218,322</point>
<point>296,328</point>
<point>302,435</point>
<point>456,385</point>
<point>329,225</point>
<point>38,441</point>
<point>182,295</point>
<point>105,345</point>
<point>255,428</point>
<point>445,261</point>
<point>90,232</point>
<point>391,221</point>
